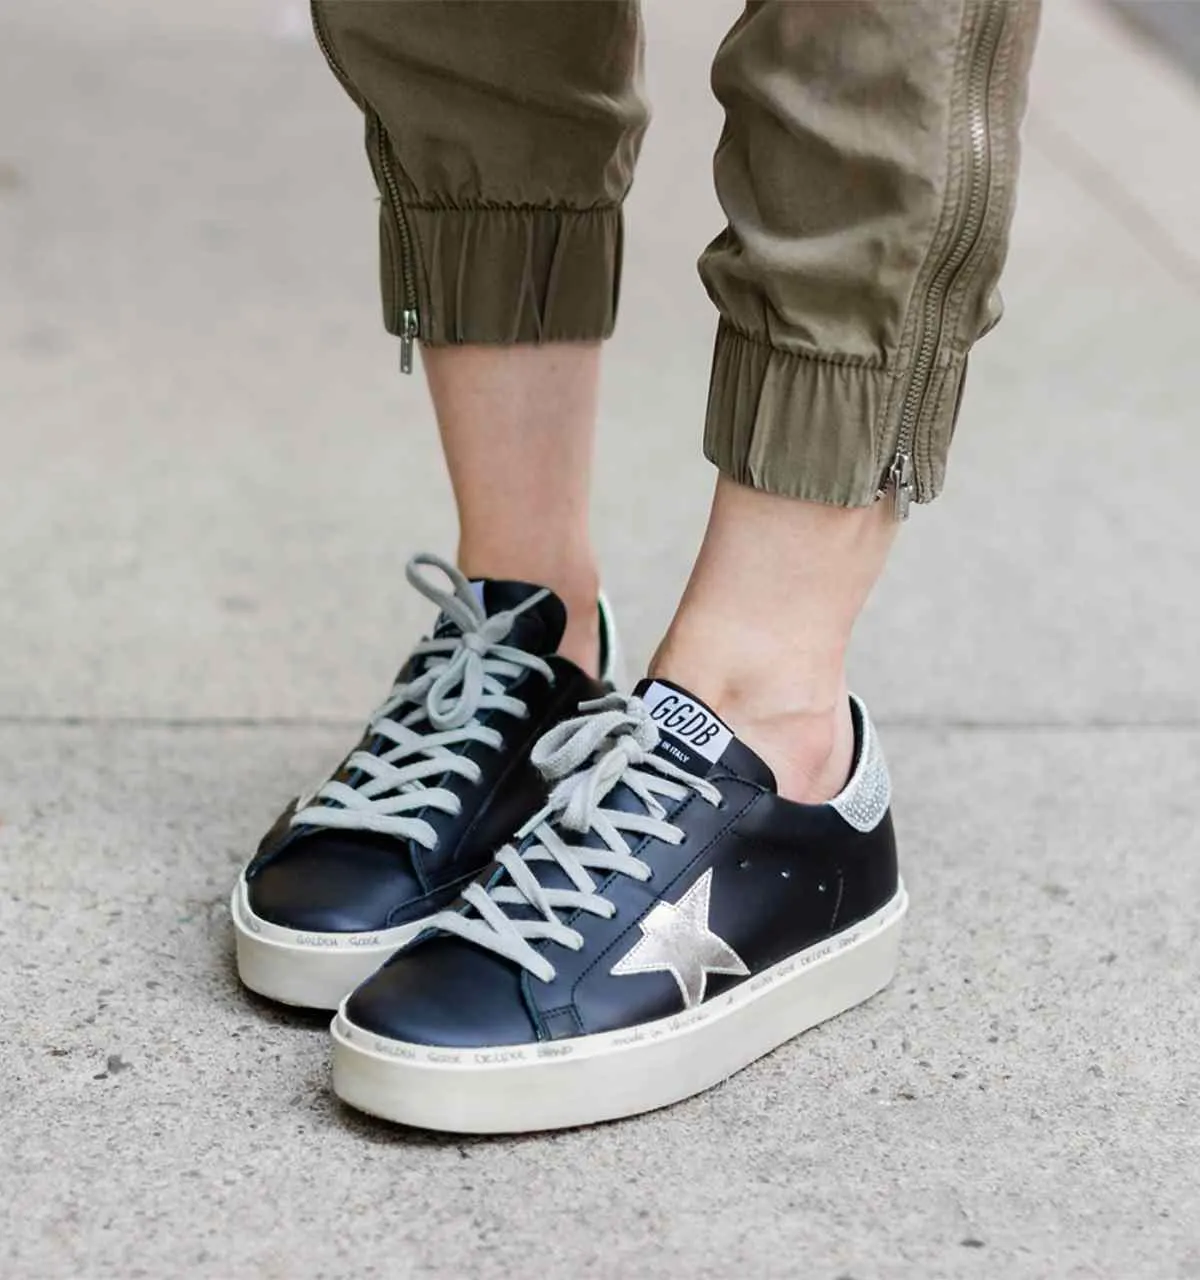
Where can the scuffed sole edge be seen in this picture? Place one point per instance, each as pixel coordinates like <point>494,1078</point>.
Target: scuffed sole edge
<point>307,970</point>
<point>562,1083</point>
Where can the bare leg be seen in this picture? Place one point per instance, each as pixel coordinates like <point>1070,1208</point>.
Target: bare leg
<point>517,425</point>
<point>762,630</point>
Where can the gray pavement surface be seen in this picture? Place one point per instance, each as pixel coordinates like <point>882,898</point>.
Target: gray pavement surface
<point>211,476</point>
<point>1174,25</point>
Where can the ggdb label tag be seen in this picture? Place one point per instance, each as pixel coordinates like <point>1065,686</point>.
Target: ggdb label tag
<point>686,719</point>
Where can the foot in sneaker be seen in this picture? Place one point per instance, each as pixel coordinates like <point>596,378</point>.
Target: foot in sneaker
<point>441,778</point>
<point>663,922</point>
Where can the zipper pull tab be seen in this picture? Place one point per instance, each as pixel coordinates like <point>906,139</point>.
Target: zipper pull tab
<point>900,481</point>
<point>408,334</point>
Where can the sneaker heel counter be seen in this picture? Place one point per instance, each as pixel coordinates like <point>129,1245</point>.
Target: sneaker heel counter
<point>866,799</point>
<point>869,876</point>
<point>873,874</point>
<point>885,859</point>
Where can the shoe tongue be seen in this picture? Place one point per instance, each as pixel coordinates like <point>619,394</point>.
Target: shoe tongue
<point>538,629</point>
<point>694,737</point>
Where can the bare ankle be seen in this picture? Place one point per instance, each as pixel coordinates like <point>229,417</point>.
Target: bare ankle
<point>762,630</point>
<point>811,754</point>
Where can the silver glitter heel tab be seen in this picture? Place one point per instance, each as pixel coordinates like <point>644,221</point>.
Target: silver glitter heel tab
<point>865,798</point>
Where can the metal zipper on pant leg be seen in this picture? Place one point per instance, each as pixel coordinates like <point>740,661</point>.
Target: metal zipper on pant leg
<point>901,479</point>
<point>326,47</point>
<point>410,316</point>
<point>900,485</point>
<point>410,327</point>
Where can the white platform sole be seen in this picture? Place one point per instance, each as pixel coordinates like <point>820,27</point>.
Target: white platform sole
<point>561,1083</point>
<point>310,970</point>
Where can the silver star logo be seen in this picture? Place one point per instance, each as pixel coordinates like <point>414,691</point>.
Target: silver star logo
<point>676,937</point>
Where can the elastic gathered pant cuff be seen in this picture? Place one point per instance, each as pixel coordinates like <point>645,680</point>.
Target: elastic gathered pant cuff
<point>797,425</point>
<point>516,274</point>
<point>867,170</point>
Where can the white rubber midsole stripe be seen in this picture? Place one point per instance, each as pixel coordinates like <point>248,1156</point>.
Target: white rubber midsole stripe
<point>663,1030</point>
<point>280,936</point>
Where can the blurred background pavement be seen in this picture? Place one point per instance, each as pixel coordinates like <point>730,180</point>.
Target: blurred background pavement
<point>212,475</point>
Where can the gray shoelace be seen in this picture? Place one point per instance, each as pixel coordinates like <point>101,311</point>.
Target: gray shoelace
<point>585,758</point>
<point>468,674</point>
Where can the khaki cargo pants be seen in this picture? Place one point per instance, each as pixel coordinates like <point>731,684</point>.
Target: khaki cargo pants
<point>867,170</point>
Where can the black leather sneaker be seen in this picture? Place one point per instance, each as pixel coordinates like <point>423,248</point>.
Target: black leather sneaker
<point>665,920</point>
<point>440,779</point>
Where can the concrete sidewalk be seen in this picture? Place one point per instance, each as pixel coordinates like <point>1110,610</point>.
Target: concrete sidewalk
<point>212,475</point>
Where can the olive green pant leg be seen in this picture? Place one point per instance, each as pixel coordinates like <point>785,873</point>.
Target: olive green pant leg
<point>503,136</point>
<point>867,170</point>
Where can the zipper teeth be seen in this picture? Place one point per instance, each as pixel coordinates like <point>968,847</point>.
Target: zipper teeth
<point>409,325</point>
<point>406,255</point>
<point>326,47</point>
<point>967,235</point>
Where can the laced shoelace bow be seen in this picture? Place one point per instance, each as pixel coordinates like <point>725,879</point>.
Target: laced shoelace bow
<point>466,674</point>
<point>585,758</point>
